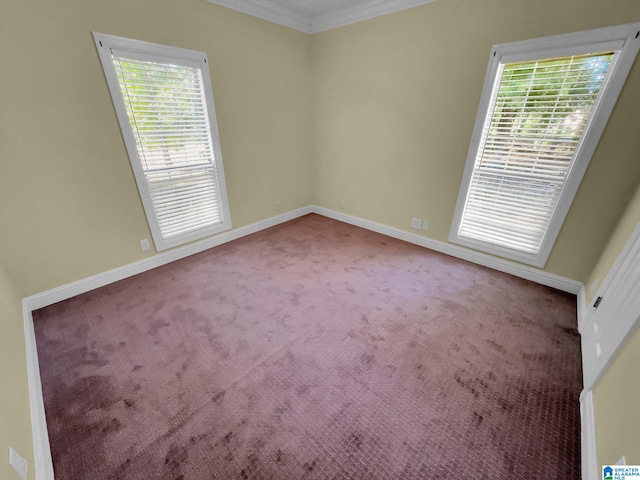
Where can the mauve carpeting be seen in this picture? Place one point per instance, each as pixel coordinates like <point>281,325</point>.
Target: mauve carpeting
<point>313,350</point>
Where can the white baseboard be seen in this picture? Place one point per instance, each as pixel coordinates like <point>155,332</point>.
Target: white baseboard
<point>70,290</point>
<point>588,437</point>
<point>507,266</point>
<point>43,464</point>
<point>42,453</point>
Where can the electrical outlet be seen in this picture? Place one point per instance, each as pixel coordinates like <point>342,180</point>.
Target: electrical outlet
<point>144,245</point>
<point>18,463</point>
<point>593,286</point>
<point>425,225</point>
<point>416,223</point>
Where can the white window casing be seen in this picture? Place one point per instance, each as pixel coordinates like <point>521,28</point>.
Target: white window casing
<point>164,105</point>
<point>544,106</point>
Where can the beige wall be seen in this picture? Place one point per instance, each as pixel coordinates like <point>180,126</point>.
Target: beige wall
<point>15,420</point>
<point>396,99</point>
<point>68,201</point>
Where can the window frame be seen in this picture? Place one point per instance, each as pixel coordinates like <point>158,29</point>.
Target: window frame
<point>625,41</point>
<point>180,56</point>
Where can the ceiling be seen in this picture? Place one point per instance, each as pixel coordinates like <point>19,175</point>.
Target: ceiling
<point>313,16</point>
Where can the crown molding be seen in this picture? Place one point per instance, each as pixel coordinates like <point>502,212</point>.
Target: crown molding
<point>336,18</point>
<point>269,11</point>
<point>359,13</point>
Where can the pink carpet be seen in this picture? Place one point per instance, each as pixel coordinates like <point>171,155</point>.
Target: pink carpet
<point>313,350</point>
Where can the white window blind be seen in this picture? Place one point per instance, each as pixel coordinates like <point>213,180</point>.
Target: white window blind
<point>168,126</point>
<point>538,116</point>
<point>541,116</point>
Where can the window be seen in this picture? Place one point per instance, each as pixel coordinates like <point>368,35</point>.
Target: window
<point>544,106</point>
<point>164,104</point>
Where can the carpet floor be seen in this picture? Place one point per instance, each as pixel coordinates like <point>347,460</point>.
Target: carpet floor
<point>313,350</point>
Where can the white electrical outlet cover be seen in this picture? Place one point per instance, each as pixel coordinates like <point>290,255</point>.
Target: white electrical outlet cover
<point>144,245</point>
<point>18,463</point>
<point>416,223</point>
